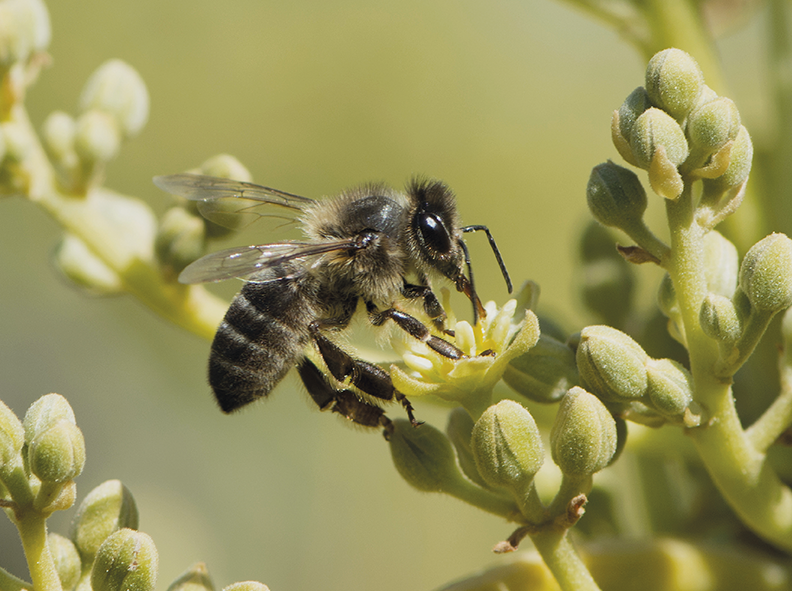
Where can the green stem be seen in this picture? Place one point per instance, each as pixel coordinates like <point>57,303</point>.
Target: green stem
<point>474,495</point>
<point>777,418</point>
<point>9,582</point>
<point>33,531</point>
<point>563,560</point>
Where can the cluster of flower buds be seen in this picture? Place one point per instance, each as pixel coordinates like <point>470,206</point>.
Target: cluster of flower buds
<point>114,106</point>
<point>633,385</point>
<point>183,232</point>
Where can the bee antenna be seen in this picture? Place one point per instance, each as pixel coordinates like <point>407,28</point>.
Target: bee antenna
<point>495,251</point>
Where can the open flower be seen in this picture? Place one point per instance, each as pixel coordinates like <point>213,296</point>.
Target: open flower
<point>489,346</point>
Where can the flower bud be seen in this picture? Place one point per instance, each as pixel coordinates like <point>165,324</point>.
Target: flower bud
<point>195,579</point>
<point>117,89</point>
<point>106,509</point>
<point>507,446</point>
<point>181,239</point>
<point>227,167</point>
<point>24,29</point>
<point>713,124</point>
<point>58,133</point>
<point>18,143</point>
<point>615,195</point>
<point>611,364</point>
<point>719,319</point>
<point>126,561</point>
<point>721,264</point>
<point>766,273</point>
<point>85,269</point>
<point>670,387</point>
<point>460,431</point>
<point>655,129</point>
<point>424,457</point>
<point>46,412</point>
<point>57,454</point>
<point>96,137</point>
<point>12,436</point>
<point>674,82</point>
<point>633,107</point>
<point>740,159</point>
<point>545,372</point>
<point>66,559</point>
<point>247,586</point>
<point>583,438</point>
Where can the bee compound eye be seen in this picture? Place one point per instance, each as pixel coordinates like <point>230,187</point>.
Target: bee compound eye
<point>433,233</point>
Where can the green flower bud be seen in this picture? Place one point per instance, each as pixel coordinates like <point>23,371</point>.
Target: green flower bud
<point>12,436</point>
<point>766,273</point>
<point>583,438</point>
<point>740,159</point>
<point>545,372</point>
<point>674,82</point>
<point>24,29</point>
<point>719,319</point>
<point>655,129</point>
<point>97,138</point>
<point>460,431</point>
<point>713,124</point>
<point>45,413</point>
<point>507,446</point>
<point>195,579</point>
<point>611,364</point>
<point>632,108</point>
<point>181,239</point>
<point>615,195</point>
<point>670,387</point>
<point>66,558</point>
<point>132,222</point>
<point>57,454</point>
<point>126,561</point>
<point>85,269</point>
<point>721,264</point>
<point>58,134</point>
<point>247,586</point>
<point>116,88</point>
<point>424,457</point>
<point>106,509</point>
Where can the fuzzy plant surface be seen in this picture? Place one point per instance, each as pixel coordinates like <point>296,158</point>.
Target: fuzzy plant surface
<point>584,419</point>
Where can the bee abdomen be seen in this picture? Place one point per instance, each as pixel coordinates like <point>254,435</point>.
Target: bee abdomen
<point>261,337</point>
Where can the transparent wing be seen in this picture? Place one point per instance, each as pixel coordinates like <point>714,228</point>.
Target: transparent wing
<point>232,204</point>
<point>244,261</point>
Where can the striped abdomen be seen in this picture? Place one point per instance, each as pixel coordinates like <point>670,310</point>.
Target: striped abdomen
<point>261,337</point>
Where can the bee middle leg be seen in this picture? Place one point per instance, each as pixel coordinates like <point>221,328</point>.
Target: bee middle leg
<point>367,377</point>
<point>413,327</point>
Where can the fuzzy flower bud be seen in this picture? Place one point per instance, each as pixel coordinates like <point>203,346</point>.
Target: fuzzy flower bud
<point>713,124</point>
<point>181,239</point>
<point>766,273</point>
<point>633,107</point>
<point>583,438</point>
<point>611,364</point>
<point>545,372</point>
<point>721,264</point>
<point>96,137</point>
<point>507,446</point>
<point>670,387</point>
<point>719,319</point>
<point>66,559</point>
<point>196,578</point>
<point>106,509</point>
<point>424,457</point>
<point>740,159</point>
<point>615,195</point>
<point>46,412</point>
<point>655,129</point>
<point>57,454</point>
<point>117,89</point>
<point>674,82</point>
<point>24,29</point>
<point>126,561</point>
<point>12,436</point>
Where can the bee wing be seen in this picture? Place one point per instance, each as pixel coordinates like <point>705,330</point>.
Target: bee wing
<point>241,262</point>
<point>229,203</point>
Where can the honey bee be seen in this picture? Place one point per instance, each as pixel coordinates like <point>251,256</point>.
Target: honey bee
<point>370,244</point>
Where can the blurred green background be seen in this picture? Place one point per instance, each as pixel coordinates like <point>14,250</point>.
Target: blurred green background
<point>509,102</point>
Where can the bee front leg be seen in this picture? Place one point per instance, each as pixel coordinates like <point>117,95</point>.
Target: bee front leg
<point>432,306</point>
<point>367,377</point>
